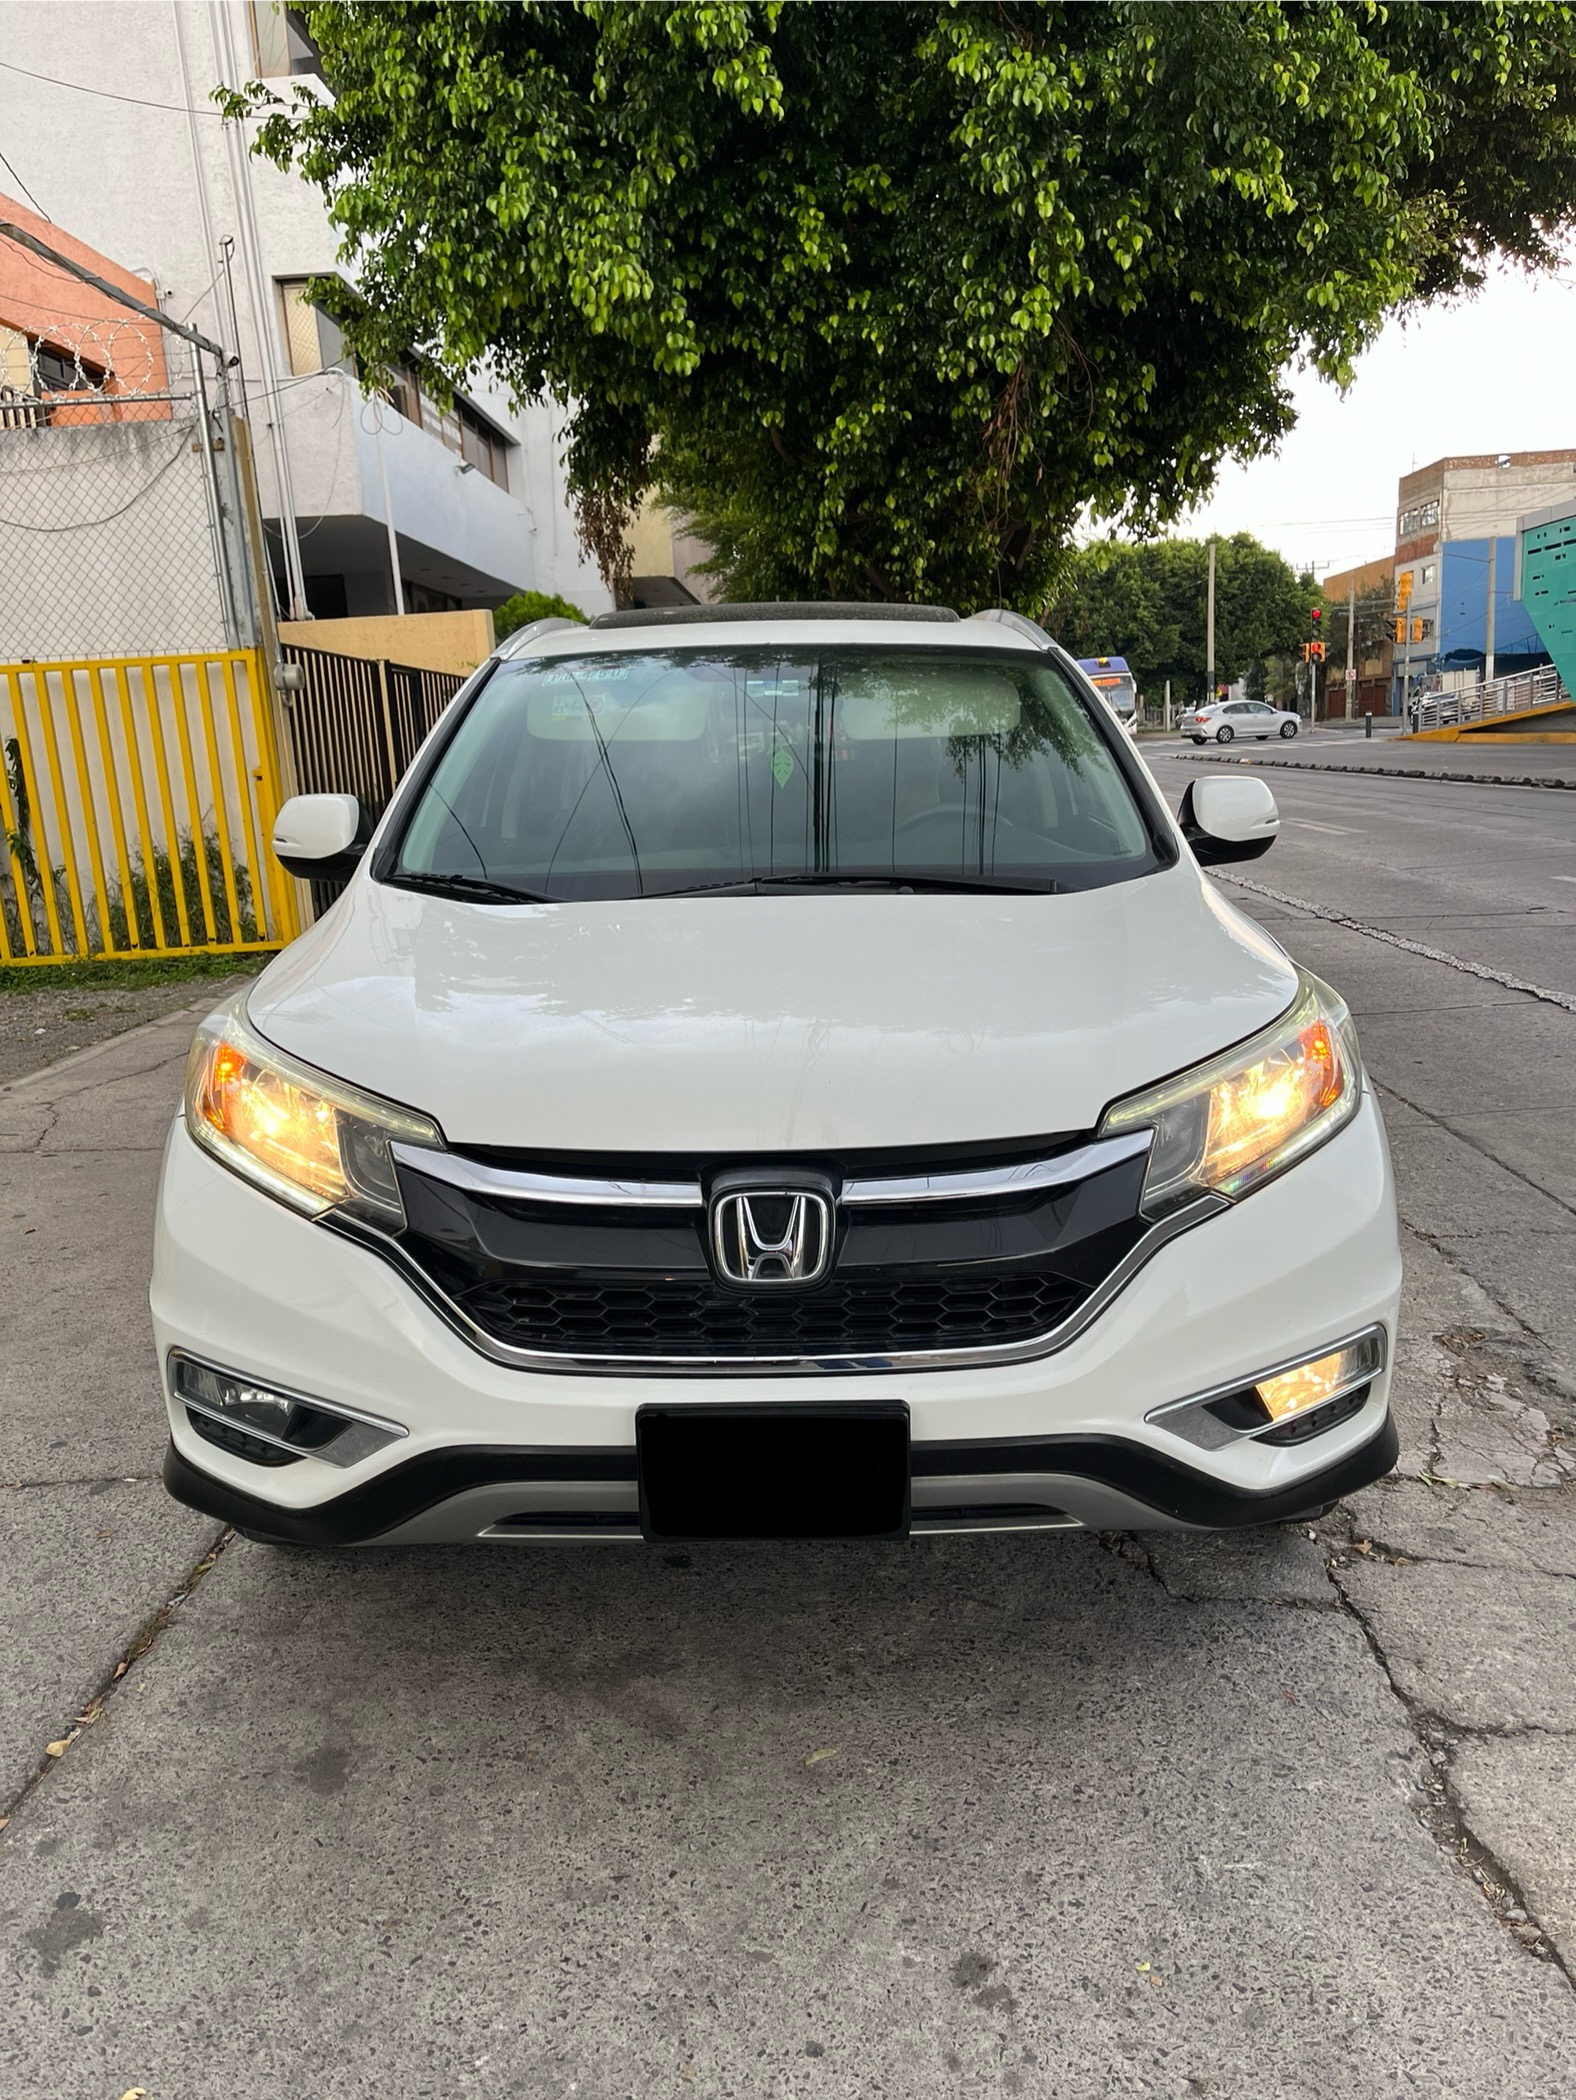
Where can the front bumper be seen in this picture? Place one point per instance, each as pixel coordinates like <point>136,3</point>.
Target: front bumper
<point>497,1452</point>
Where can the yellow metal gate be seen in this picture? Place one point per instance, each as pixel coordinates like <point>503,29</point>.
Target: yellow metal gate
<point>138,797</point>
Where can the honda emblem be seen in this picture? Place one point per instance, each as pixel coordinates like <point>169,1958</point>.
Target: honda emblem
<point>764,1237</point>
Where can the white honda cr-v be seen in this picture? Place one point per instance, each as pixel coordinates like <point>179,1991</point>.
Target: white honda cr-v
<point>776,1071</point>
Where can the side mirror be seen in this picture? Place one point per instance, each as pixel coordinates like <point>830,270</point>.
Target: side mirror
<point>1228,820</point>
<point>321,838</point>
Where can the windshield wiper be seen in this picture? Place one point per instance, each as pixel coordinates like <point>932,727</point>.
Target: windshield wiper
<point>476,887</point>
<point>807,878</point>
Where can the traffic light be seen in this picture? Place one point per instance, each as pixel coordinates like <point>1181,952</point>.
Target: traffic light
<point>1400,628</point>
<point>1316,615</point>
<point>1403,592</point>
<point>1417,630</point>
<point>1316,652</point>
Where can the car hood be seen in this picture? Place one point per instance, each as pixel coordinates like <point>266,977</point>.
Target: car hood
<point>771,1023</point>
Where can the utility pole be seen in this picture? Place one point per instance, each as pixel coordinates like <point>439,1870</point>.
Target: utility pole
<point>1351,644</point>
<point>1488,633</point>
<point>375,403</point>
<point>1209,627</point>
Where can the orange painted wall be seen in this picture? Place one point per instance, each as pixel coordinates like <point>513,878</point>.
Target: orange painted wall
<point>45,304</point>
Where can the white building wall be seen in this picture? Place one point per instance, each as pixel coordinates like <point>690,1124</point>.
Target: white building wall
<point>120,144</point>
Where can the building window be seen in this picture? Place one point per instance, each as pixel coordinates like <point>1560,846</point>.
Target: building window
<point>312,341</point>
<point>1429,572</point>
<point>462,428</point>
<point>1428,515</point>
<point>281,42</point>
<point>422,598</point>
<point>64,371</point>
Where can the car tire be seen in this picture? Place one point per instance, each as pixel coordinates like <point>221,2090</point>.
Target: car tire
<point>1224,733</point>
<point>1288,729</point>
<point>1195,740</point>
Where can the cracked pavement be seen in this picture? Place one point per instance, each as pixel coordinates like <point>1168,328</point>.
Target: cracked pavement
<point>1165,1814</point>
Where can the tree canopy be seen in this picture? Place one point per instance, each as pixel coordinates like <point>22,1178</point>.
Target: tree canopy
<point>1148,603</point>
<point>888,297</point>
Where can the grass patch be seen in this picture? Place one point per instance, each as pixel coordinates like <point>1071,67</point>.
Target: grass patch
<point>121,972</point>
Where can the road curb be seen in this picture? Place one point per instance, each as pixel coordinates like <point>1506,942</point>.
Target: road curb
<point>1313,765</point>
<point>197,1010</point>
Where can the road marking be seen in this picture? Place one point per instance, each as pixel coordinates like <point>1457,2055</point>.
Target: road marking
<point>1307,824</point>
<point>1565,878</point>
<point>1562,1000</point>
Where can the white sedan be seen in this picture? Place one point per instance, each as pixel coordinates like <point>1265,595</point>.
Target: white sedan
<point>1225,720</point>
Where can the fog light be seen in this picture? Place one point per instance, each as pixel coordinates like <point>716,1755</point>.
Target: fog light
<point>1293,1392</point>
<point>1283,1405</point>
<point>282,1425</point>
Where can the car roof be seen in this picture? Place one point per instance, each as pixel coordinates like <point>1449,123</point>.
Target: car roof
<point>806,624</point>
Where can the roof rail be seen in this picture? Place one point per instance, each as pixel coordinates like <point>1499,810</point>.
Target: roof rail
<point>516,644</point>
<point>788,609</point>
<point>1018,624</point>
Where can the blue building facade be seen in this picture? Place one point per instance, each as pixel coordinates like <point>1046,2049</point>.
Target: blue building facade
<point>1461,622</point>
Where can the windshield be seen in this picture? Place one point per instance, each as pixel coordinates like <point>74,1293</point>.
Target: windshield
<point>656,771</point>
<point>1118,688</point>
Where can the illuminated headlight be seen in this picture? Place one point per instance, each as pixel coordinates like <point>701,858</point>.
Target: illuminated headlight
<point>310,1140</point>
<point>1227,1126</point>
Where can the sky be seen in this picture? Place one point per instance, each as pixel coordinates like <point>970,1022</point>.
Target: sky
<point>1494,373</point>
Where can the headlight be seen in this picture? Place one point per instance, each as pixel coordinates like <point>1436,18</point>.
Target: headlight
<point>310,1140</point>
<point>1227,1126</point>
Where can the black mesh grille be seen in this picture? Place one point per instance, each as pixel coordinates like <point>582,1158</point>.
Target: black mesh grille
<point>666,1318</point>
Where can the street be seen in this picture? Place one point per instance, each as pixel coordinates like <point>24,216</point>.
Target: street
<point>1282,1814</point>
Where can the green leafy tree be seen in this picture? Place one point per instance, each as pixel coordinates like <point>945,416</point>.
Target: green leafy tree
<point>1149,603</point>
<point>888,297</point>
<point>526,606</point>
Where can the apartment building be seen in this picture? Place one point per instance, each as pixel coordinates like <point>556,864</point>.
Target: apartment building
<point>110,126</point>
<point>1455,562</point>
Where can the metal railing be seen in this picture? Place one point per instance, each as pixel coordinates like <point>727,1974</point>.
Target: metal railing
<point>355,724</point>
<point>1500,696</point>
<point>20,410</point>
<point>137,802</point>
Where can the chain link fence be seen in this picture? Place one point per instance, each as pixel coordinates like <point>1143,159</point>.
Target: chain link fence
<point>119,520</point>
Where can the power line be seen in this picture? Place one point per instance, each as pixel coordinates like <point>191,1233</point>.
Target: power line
<point>87,524</point>
<point>26,192</point>
<point>76,87</point>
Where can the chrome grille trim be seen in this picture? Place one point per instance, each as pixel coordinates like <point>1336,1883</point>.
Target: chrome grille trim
<point>480,1180</point>
<point>980,1184</point>
<point>963,1185</point>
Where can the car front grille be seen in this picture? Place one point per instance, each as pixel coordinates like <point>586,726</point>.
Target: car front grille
<point>602,1264</point>
<point>683,1318</point>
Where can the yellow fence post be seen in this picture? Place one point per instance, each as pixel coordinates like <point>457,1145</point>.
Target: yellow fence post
<point>92,800</point>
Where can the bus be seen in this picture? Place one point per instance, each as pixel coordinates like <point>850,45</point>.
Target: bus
<point>1114,682</point>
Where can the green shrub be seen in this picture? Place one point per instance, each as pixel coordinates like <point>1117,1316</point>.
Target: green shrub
<point>526,606</point>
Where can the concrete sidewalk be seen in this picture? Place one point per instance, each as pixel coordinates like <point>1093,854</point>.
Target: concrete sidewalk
<point>1273,1815</point>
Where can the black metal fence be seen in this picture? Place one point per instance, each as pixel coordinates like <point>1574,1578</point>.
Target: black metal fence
<point>356,723</point>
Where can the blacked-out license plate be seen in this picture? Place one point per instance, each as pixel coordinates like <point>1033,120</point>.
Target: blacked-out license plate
<point>806,1471</point>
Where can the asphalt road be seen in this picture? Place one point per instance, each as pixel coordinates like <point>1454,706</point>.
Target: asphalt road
<point>1278,1815</point>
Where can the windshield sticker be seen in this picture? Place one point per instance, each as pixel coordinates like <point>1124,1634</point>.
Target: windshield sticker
<point>782,763</point>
